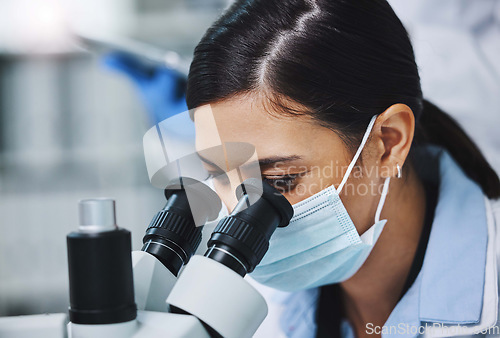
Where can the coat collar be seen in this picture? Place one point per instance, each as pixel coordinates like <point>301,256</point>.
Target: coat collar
<point>449,289</point>
<point>454,265</point>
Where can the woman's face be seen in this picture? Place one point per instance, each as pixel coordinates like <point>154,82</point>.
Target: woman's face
<point>296,155</point>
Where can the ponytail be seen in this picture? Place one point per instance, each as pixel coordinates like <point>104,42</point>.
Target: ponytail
<point>438,128</point>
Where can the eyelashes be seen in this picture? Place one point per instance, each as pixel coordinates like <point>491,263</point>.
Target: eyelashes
<point>282,183</point>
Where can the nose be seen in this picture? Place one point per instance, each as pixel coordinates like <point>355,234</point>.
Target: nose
<point>227,192</point>
<point>228,197</point>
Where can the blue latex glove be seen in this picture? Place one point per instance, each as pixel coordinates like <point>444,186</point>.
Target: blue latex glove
<point>162,89</point>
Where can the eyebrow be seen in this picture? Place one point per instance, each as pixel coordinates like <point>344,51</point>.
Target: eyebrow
<point>265,162</point>
<point>278,159</point>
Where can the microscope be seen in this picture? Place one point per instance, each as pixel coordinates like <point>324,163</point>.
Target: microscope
<point>164,290</point>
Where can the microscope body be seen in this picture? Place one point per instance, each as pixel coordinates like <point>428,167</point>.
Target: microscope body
<point>231,307</point>
<point>152,282</point>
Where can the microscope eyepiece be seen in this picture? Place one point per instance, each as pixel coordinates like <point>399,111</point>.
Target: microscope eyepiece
<point>175,232</point>
<point>241,239</point>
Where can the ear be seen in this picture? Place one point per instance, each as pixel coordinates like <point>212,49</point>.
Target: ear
<point>392,137</point>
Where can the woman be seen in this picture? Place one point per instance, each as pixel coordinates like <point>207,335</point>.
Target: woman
<point>329,94</point>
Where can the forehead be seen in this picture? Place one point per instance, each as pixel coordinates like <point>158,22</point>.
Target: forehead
<point>246,120</point>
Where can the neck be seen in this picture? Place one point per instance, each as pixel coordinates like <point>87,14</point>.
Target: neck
<point>373,292</point>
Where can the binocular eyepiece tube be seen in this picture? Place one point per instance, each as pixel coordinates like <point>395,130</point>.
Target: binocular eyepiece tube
<point>174,234</point>
<point>241,239</point>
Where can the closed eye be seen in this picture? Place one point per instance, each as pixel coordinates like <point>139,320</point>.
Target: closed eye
<point>283,183</point>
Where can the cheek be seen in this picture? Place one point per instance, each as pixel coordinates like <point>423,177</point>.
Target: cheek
<point>306,188</point>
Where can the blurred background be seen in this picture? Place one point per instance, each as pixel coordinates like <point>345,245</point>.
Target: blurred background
<point>71,128</point>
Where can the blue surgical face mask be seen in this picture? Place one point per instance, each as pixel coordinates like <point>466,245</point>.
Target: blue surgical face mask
<point>321,245</point>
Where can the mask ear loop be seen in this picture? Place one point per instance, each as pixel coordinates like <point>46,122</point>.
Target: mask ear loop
<point>381,202</point>
<point>358,152</point>
<point>385,189</point>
